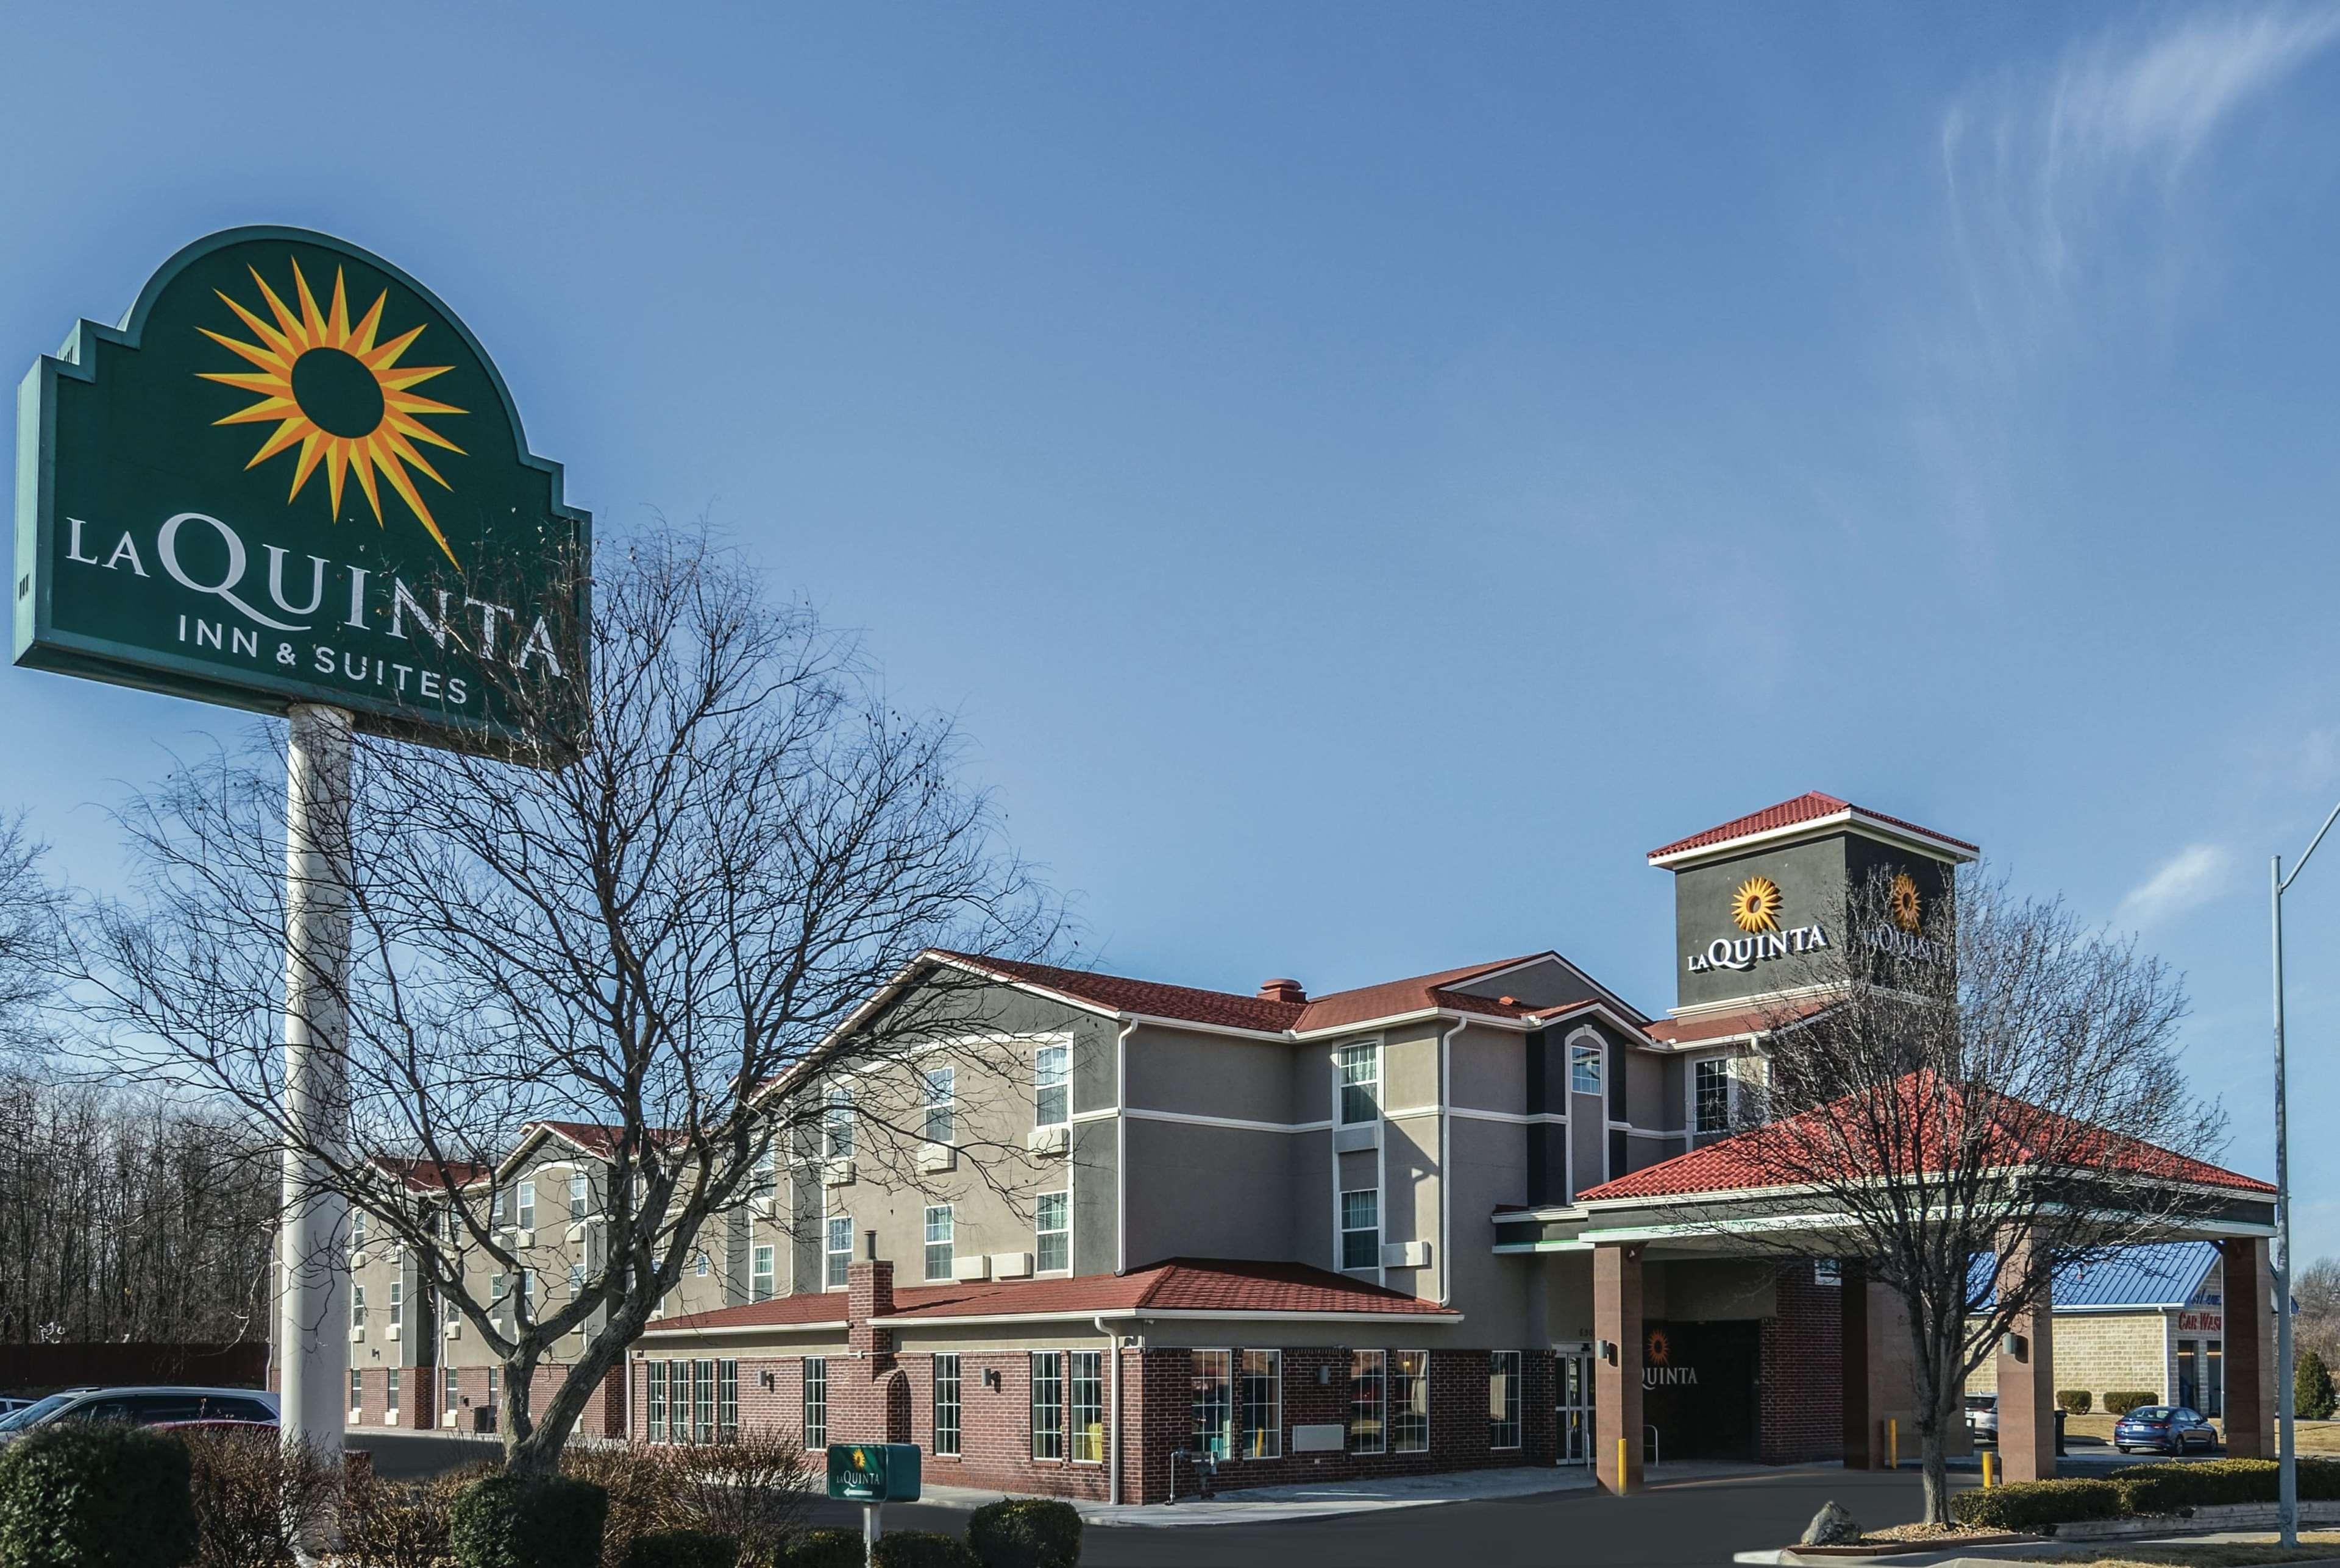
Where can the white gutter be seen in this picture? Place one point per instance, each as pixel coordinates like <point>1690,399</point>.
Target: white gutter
<point>1112,1419</point>
<point>731,1328</point>
<point>1151,1313</point>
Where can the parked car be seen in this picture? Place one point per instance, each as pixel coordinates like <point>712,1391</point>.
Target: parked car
<point>148,1406</point>
<point>1982,1417</point>
<point>2169,1428</point>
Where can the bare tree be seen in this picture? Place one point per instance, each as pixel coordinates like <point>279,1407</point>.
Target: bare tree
<point>2316,1289</point>
<point>32,923</point>
<point>652,921</point>
<point>1983,1092</point>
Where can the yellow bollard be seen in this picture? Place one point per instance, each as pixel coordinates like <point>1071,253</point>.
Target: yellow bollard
<point>1892,1444</point>
<point>1621,1468</point>
<point>1986,1457</point>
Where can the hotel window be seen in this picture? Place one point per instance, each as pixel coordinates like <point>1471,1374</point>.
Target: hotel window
<point>766,1179</point>
<point>524,1207</point>
<point>1584,1069</point>
<point>940,1229</point>
<point>1361,1228</point>
<point>390,1398</point>
<point>495,1395</point>
<point>727,1401</point>
<point>357,1392</point>
<point>1213,1413</point>
<point>837,1126</point>
<point>1361,1082</point>
<point>760,1274</point>
<point>1503,1399</point>
<point>1260,1428</point>
<point>815,1402</point>
<point>580,1193</point>
<point>451,1392</point>
<point>576,1280</point>
<point>840,1253</point>
<point>397,1307</point>
<point>1052,1233</point>
<point>945,1404</point>
<point>654,1404</point>
<point>1409,1401</point>
<point>357,1230</point>
<point>528,1295</point>
<point>941,1104</point>
<point>1047,1405</point>
<point>702,1401</point>
<point>1088,1406</point>
<point>1052,1104</point>
<point>1368,1401</point>
<point>702,1265</point>
<point>357,1306</point>
<point>1713,1097</point>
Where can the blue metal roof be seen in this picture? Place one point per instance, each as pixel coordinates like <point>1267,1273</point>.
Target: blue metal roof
<point>2164,1275</point>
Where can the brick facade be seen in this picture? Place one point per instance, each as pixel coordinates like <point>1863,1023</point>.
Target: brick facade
<point>1802,1360</point>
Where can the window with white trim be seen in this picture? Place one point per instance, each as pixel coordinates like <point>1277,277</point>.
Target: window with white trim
<point>1409,1400</point>
<point>357,1392</point>
<point>1368,1401</point>
<point>946,1410</point>
<point>1052,1231</point>
<point>1051,1095</point>
<point>1088,1386</point>
<point>524,1205</point>
<point>576,1280</point>
<point>837,1126</point>
<point>357,1306</point>
<point>1502,1399</point>
<point>397,1305</point>
<point>581,1192</point>
<point>702,1265</point>
<point>1259,1423</point>
<point>941,1105</point>
<point>727,1401</point>
<point>357,1230</point>
<point>815,1402</point>
<point>1212,1404</point>
<point>765,1179</point>
<point>1584,1066</point>
<point>839,1250</point>
<point>390,1398</point>
<point>1710,1102</point>
<point>1047,1405</point>
<point>1361,1228</point>
<point>654,1405</point>
<point>941,1230</point>
<point>450,1391</point>
<point>762,1273</point>
<point>1361,1083</point>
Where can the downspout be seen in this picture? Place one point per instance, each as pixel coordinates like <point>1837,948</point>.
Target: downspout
<point>1445,1172</point>
<point>1112,1424</point>
<point>1121,1148</point>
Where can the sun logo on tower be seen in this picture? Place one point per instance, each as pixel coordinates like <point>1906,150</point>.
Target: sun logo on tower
<point>1902,899</point>
<point>1756,906</point>
<point>338,393</point>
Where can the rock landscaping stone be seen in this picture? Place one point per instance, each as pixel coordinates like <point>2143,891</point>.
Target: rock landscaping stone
<point>1833,1525</point>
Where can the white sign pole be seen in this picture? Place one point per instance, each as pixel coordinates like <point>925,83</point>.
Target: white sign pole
<point>313,1327</point>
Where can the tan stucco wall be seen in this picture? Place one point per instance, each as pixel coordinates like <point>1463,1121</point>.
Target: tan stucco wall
<point>2100,1352</point>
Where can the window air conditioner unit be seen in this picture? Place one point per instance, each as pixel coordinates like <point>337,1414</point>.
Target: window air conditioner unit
<point>357,1260</point>
<point>938,1156</point>
<point>357,1337</point>
<point>523,1239</point>
<point>1054,1139</point>
<point>390,1332</point>
<point>357,1418</point>
<point>447,1419</point>
<point>576,1230</point>
<point>967,1268</point>
<point>1011,1266</point>
<point>1357,1135</point>
<point>1406,1255</point>
<point>836,1173</point>
<point>455,1329</point>
<point>760,1207</point>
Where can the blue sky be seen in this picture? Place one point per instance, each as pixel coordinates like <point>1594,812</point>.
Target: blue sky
<point>1365,475</point>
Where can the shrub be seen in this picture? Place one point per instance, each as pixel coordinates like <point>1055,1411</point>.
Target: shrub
<point>506,1521</point>
<point>682,1549</point>
<point>2173,1488</point>
<point>755,1488</point>
<point>2074,1401</point>
<point>2120,1403</point>
<point>257,1498</point>
<point>2037,1506</point>
<point>922,1549</point>
<point>645,1487</point>
<point>401,1523</point>
<point>2311,1388</point>
<point>1026,1533</point>
<point>95,1495</point>
<point>826,1549</point>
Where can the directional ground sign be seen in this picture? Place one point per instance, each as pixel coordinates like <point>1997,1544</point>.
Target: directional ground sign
<point>291,475</point>
<point>874,1472</point>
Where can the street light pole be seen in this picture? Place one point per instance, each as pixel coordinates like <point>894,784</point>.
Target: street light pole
<point>2287,1455</point>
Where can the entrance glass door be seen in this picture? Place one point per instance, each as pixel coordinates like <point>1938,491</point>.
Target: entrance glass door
<point>1575,1370</point>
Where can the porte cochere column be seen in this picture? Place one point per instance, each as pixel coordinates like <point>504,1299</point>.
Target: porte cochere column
<point>2027,1379</point>
<point>2247,1285</point>
<point>1617,1376</point>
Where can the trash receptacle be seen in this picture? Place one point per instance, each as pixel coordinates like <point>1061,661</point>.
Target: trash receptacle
<point>2059,1432</point>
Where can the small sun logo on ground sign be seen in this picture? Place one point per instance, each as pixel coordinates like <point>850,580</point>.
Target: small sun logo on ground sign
<point>1903,900</point>
<point>338,393</point>
<point>1756,905</point>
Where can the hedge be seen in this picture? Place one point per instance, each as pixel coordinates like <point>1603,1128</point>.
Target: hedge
<point>95,1494</point>
<point>922,1549</point>
<point>827,1549</point>
<point>2035,1506</point>
<point>1026,1533</point>
<point>2117,1403</point>
<point>682,1549</point>
<point>505,1522</point>
<point>2074,1401</point>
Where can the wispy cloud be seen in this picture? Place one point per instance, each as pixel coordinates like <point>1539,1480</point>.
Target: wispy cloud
<point>2193,877</point>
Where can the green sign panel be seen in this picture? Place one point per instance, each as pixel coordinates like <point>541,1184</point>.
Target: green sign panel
<point>292,476</point>
<point>874,1472</point>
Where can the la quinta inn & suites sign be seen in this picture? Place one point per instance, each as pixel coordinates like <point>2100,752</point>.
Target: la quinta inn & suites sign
<point>292,476</point>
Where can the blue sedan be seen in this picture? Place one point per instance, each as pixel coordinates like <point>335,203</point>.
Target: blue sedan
<point>2167,1428</point>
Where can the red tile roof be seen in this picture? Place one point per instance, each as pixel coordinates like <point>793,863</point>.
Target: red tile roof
<point>1804,808</point>
<point>1230,1010</point>
<point>1173,1285</point>
<point>430,1174</point>
<point>1784,1153</point>
<point>1681,1031</point>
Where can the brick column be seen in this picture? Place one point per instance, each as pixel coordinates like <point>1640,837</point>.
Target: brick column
<point>2247,1284</point>
<point>1861,1451</point>
<point>1617,1376</point>
<point>2026,1380</point>
<point>857,1382</point>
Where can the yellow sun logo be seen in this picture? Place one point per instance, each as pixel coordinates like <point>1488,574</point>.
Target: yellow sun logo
<point>1903,901</point>
<point>1756,905</point>
<point>338,393</point>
